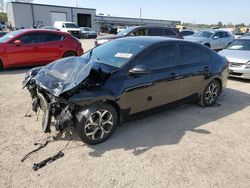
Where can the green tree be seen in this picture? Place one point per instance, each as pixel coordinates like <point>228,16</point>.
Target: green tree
<point>3,17</point>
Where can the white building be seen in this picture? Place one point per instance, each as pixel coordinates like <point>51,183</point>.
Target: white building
<point>26,14</point>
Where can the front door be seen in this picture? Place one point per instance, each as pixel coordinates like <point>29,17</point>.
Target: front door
<point>158,87</point>
<point>25,53</point>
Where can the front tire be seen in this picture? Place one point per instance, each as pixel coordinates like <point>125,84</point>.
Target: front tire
<point>99,126</point>
<point>210,94</point>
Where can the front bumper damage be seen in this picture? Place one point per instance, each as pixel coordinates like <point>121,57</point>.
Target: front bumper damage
<point>61,89</point>
<point>55,111</point>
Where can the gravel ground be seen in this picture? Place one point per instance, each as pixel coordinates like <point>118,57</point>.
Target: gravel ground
<point>185,147</point>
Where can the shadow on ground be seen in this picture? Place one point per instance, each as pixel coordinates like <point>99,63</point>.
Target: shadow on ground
<point>15,71</point>
<point>168,127</point>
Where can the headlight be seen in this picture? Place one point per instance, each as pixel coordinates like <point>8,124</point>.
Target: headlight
<point>248,64</point>
<point>102,41</point>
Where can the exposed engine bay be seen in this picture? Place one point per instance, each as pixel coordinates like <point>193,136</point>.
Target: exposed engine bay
<point>52,86</point>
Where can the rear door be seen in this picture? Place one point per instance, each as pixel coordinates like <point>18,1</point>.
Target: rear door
<point>160,86</point>
<point>50,47</point>
<point>194,69</point>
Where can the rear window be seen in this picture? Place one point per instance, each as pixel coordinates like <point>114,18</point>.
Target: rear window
<point>155,31</point>
<point>169,32</point>
<point>190,54</point>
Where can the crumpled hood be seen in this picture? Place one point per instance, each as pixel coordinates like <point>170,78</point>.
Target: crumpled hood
<point>63,74</point>
<point>236,56</point>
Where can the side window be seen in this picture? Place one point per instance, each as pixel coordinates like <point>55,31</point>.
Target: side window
<point>140,32</point>
<point>32,38</point>
<point>51,37</point>
<point>190,54</point>
<point>160,57</point>
<point>155,31</point>
<point>169,32</point>
<point>217,35</point>
<point>224,34</point>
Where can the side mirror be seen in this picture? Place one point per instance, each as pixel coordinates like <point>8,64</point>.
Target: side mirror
<point>140,70</point>
<point>17,42</point>
<point>215,37</point>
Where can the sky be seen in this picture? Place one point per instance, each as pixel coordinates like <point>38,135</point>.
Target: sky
<point>192,11</point>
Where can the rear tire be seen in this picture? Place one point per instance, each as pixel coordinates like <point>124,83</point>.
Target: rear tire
<point>69,54</point>
<point>99,126</point>
<point>210,94</point>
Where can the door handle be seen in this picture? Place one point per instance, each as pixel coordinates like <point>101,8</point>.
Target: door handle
<point>173,75</point>
<point>206,69</point>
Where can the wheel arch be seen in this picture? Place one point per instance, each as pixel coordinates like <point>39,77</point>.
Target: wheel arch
<point>117,108</point>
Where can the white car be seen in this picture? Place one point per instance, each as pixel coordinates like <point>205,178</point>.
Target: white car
<point>238,55</point>
<point>214,39</point>
<point>69,27</point>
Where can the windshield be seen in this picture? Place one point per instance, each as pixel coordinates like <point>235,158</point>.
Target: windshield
<point>240,45</point>
<point>203,34</point>
<point>71,25</point>
<point>115,53</point>
<point>87,29</point>
<point>10,35</point>
<point>126,31</point>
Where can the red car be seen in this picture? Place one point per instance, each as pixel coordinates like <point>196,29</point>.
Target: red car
<point>31,47</point>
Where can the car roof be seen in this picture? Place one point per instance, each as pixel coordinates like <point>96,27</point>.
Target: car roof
<point>41,30</point>
<point>148,39</point>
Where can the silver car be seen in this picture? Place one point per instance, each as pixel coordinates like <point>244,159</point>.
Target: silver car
<point>238,55</point>
<point>87,32</point>
<point>214,39</point>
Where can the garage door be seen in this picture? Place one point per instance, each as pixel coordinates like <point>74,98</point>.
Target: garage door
<point>58,16</point>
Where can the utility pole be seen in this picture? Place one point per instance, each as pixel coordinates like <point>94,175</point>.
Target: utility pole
<point>76,3</point>
<point>140,11</point>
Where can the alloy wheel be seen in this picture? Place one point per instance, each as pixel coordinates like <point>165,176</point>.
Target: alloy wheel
<point>211,93</point>
<point>99,125</point>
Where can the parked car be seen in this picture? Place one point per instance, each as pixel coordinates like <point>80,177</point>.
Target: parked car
<point>69,27</point>
<point>246,34</point>
<point>214,39</point>
<point>238,54</point>
<point>122,79</point>
<point>141,31</point>
<point>87,32</point>
<point>238,35</point>
<point>187,32</point>
<point>32,47</point>
<point>50,27</point>
<point>120,28</point>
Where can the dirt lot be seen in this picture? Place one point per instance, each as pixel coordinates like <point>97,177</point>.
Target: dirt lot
<point>188,146</point>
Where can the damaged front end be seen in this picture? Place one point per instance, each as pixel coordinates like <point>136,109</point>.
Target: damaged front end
<point>53,85</point>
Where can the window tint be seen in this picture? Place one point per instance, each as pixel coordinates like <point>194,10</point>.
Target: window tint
<point>224,34</point>
<point>217,35</point>
<point>140,32</point>
<point>32,38</point>
<point>35,38</point>
<point>169,32</point>
<point>190,54</point>
<point>155,32</point>
<point>51,37</point>
<point>187,33</point>
<point>160,57</point>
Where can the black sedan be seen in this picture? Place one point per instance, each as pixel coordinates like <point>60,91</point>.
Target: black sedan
<point>122,79</point>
